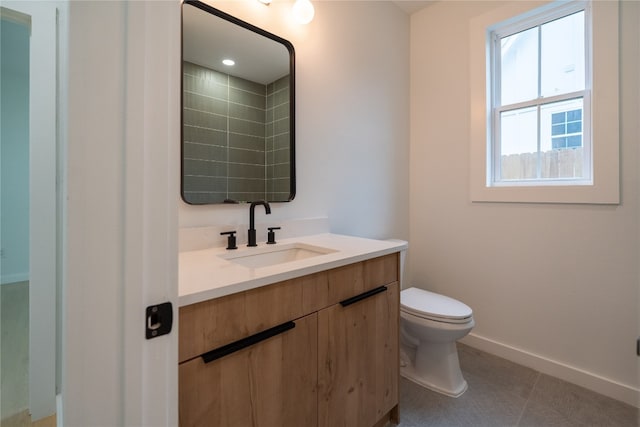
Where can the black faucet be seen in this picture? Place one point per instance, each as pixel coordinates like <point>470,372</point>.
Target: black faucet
<point>252,226</point>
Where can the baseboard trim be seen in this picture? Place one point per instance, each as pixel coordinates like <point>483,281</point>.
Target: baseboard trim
<point>606,386</point>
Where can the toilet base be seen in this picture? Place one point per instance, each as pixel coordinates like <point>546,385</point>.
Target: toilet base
<point>409,373</point>
<point>434,366</point>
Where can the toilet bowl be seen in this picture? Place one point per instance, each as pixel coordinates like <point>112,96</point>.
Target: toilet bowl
<point>430,324</point>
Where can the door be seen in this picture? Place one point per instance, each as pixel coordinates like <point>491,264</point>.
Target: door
<point>358,360</point>
<point>121,122</point>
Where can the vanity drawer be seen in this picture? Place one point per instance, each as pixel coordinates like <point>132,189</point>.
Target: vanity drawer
<point>217,322</point>
<point>327,288</point>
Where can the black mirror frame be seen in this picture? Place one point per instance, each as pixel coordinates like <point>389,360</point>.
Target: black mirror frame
<point>292,93</point>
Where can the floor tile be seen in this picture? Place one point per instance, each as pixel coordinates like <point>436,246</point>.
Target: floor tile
<point>538,415</point>
<point>503,394</point>
<point>581,406</point>
<point>509,376</point>
<point>483,404</point>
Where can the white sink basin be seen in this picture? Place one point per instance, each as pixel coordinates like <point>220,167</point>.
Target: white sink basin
<point>268,255</point>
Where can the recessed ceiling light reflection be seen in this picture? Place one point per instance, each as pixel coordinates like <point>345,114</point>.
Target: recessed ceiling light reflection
<point>229,62</point>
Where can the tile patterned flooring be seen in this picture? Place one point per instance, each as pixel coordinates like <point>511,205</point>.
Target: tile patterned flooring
<point>14,342</point>
<point>502,393</point>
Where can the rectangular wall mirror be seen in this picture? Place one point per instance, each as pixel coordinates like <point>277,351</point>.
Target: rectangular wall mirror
<point>238,110</point>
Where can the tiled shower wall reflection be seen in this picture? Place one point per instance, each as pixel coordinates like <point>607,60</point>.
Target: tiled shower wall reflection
<point>236,137</point>
<point>278,140</point>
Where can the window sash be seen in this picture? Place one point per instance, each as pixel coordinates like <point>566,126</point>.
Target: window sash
<point>538,103</point>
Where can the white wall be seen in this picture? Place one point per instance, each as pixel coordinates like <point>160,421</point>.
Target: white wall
<point>352,118</point>
<point>553,286</point>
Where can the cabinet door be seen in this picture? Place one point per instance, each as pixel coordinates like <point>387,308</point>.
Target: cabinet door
<point>271,383</point>
<point>358,360</point>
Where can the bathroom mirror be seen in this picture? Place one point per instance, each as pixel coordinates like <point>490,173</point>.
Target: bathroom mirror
<point>238,127</point>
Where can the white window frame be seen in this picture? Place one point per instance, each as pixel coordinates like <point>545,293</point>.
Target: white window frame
<point>600,102</point>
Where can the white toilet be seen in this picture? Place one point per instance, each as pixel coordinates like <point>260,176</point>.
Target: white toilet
<point>430,324</point>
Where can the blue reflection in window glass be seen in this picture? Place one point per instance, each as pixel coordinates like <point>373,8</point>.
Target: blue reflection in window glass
<point>574,127</point>
<point>558,143</point>
<point>574,115</point>
<point>558,130</point>
<point>574,141</point>
<point>558,118</point>
<point>566,129</point>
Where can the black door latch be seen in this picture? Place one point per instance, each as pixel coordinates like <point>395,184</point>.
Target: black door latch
<point>158,320</point>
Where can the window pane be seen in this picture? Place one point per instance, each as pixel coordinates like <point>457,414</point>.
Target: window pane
<point>559,143</point>
<point>574,115</point>
<point>561,154</point>
<point>574,141</point>
<point>518,144</point>
<point>558,129</point>
<point>573,127</point>
<point>563,55</point>
<point>558,118</point>
<point>519,67</point>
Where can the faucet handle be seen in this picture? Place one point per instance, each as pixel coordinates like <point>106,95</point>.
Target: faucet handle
<point>271,235</point>
<point>231,240</point>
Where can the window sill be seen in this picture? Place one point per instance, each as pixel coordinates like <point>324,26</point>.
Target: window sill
<point>575,194</point>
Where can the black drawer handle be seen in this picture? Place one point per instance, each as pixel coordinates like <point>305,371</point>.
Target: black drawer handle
<point>225,350</point>
<point>362,296</point>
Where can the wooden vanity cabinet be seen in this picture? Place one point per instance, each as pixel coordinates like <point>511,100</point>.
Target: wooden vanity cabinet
<point>337,367</point>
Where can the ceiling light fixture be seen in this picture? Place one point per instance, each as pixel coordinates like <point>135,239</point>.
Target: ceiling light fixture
<point>303,11</point>
<point>229,62</point>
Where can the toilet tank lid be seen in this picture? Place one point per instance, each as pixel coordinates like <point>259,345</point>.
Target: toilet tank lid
<point>429,303</point>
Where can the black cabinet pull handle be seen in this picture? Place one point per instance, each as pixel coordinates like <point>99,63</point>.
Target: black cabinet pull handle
<point>362,296</point>
<point>225,350</point>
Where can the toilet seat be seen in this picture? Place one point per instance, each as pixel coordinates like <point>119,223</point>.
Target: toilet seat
<point>432,306</point>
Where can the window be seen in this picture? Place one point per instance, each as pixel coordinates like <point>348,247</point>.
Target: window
<point>566,129</point>
<point>538,86</point>
<point>544,113</point>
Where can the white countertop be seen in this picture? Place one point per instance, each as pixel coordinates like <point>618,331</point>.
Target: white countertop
<point>204,275</point>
